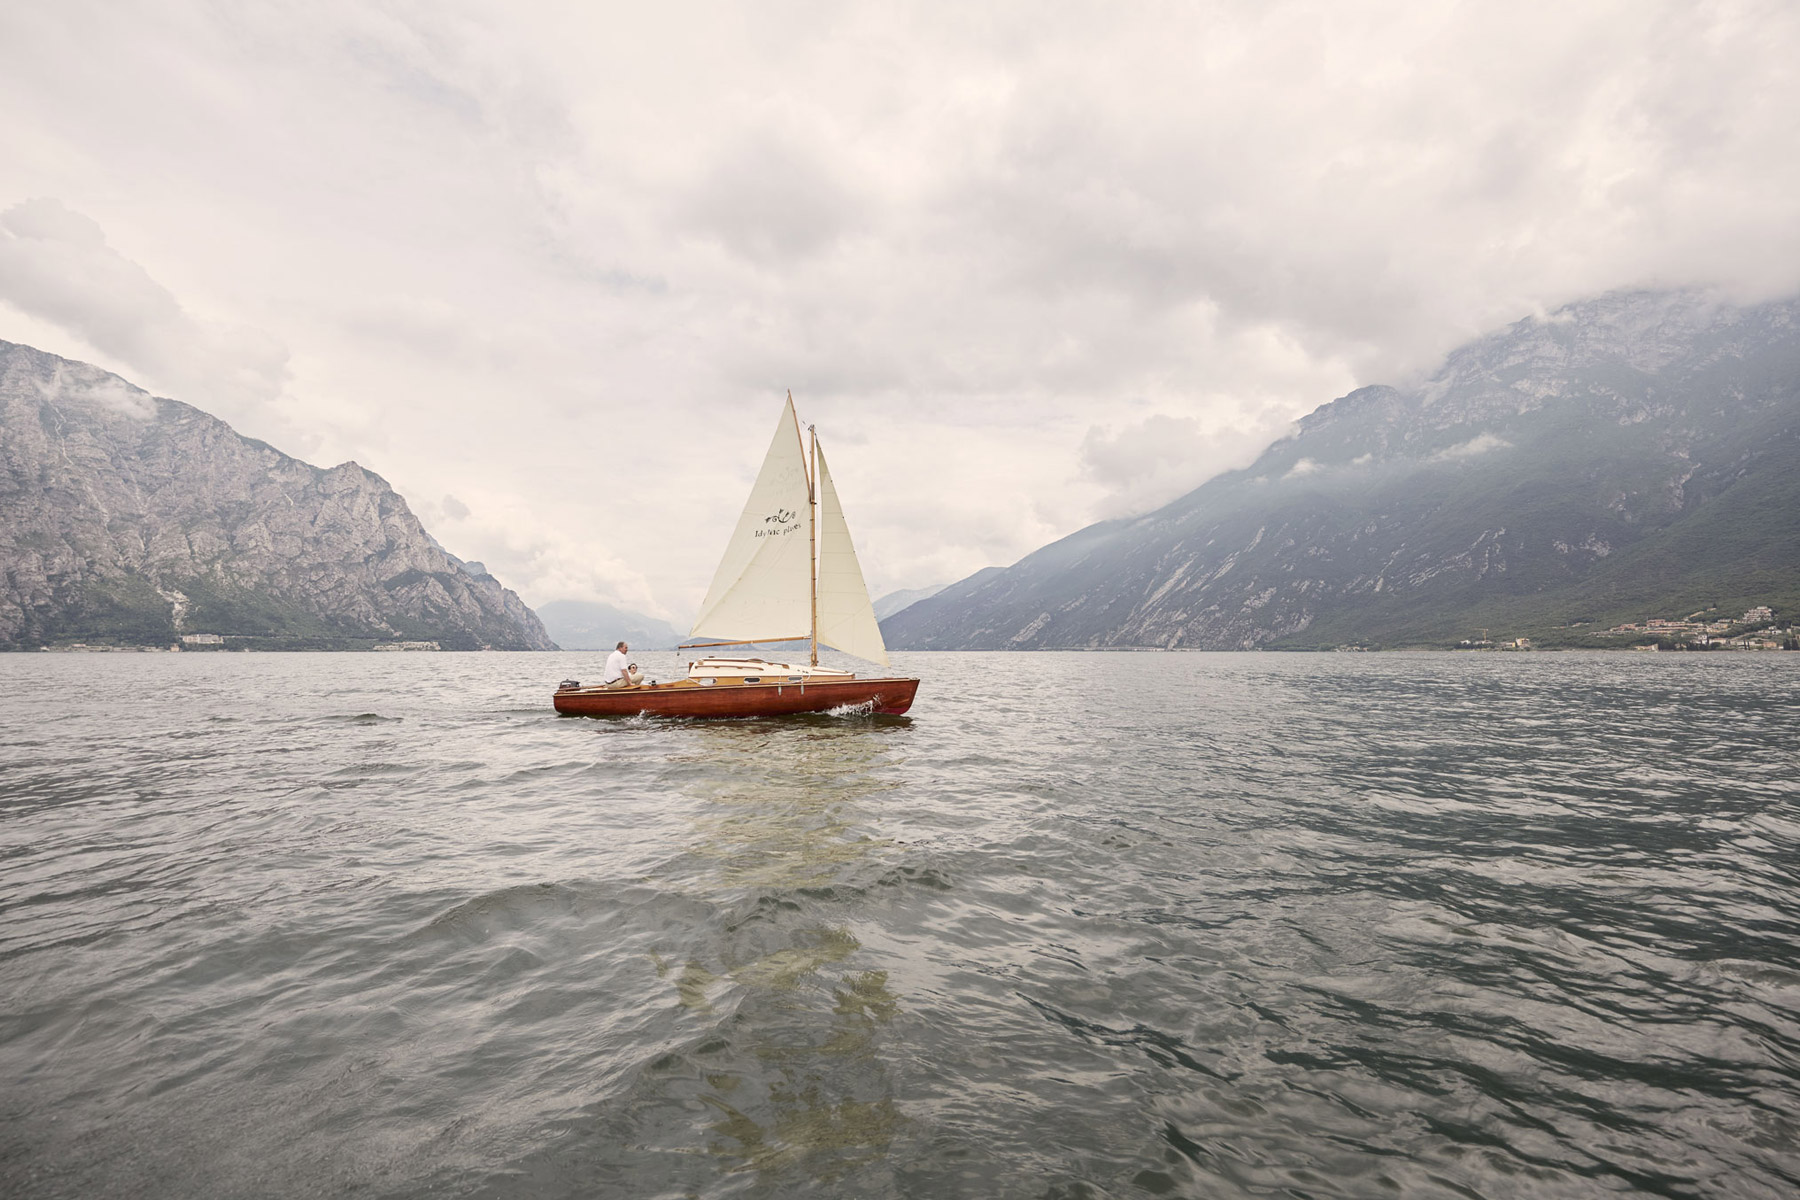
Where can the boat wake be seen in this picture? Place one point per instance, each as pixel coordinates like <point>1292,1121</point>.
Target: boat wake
<point>866,708</point>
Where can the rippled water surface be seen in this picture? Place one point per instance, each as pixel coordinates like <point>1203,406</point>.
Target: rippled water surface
<point>1083,925</point>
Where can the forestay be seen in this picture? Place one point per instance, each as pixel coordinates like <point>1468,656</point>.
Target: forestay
<point>762,589</point>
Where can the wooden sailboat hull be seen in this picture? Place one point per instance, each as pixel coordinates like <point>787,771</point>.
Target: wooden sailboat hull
<point>889,697</point>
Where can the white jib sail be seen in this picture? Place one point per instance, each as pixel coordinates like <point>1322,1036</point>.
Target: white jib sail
<point>846,618</point>
<point>760,590</point>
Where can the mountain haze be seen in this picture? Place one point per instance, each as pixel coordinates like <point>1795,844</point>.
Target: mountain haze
<point>1629,456</point>
<point>895,602</point>
<point>126,518</point>
<point>589,625</point>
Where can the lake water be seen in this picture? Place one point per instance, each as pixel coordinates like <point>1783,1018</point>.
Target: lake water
<point>1082,926</point>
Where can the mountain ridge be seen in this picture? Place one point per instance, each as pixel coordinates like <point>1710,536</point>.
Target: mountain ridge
<point>137,519</point>
<point>1573,468</point>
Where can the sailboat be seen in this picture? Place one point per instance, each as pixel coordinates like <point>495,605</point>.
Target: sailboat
<point>789,573</point>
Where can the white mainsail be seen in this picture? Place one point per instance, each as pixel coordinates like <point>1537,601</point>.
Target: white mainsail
<point>846,617</point>
<point>762,589</point>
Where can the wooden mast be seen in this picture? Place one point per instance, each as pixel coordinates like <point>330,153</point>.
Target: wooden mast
<point>812,533</point>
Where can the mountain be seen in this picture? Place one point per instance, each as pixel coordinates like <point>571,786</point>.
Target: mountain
<point>585,625</point>
<point>893,602</point>
<point>1630,456</point>
<point>129,519</point>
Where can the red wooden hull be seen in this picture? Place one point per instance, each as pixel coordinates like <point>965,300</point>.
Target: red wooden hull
<point>890,697</point>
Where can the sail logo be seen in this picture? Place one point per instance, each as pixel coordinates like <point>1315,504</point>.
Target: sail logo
<point>779,523</point>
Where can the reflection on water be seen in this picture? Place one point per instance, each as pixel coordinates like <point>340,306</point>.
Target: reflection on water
<point>816,1114</point>
<point>783,806</point>
<point>781,821</point>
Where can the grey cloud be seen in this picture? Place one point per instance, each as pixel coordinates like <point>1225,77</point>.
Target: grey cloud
<point>1362,211</point>
<point>55,264</point>
<point>768,202</point>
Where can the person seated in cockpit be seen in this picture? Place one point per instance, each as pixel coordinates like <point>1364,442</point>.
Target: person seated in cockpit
<point>620,672</point>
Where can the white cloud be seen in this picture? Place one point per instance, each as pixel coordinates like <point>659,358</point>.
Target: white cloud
<point>1479,444</point>
<point>90,384</point>
<point>1025,266</point>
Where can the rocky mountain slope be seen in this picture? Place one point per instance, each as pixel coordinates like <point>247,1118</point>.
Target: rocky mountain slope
<point>130,519</point>
<point>1634,455</point>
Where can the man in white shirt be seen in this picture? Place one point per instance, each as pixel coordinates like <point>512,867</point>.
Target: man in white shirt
<point>618,669</point>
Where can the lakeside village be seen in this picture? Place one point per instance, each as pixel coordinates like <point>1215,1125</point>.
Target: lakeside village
<point>1757,629</point>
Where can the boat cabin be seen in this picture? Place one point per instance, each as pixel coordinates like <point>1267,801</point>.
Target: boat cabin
<point>711,672</point>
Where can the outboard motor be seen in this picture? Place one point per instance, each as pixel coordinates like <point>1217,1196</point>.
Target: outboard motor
<point>568,685</point>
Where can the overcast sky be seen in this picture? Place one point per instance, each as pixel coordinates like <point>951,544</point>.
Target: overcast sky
<point>550,268</point>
